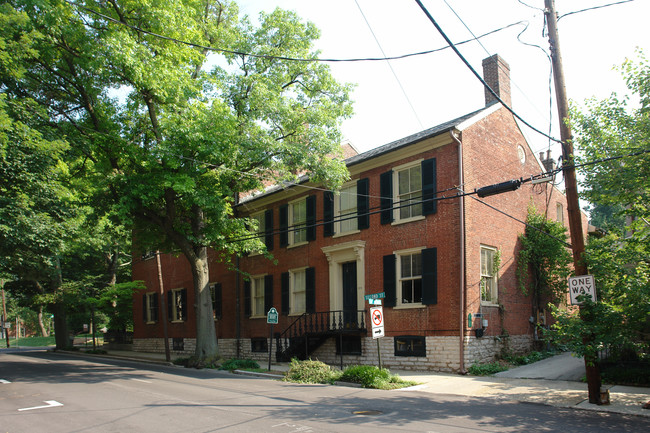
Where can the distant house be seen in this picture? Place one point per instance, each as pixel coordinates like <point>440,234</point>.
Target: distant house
<point>445,263</point>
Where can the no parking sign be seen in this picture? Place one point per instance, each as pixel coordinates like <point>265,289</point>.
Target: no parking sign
<point>377,321</point>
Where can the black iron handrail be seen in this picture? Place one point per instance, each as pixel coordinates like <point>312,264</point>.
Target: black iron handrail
<point>320,323</point>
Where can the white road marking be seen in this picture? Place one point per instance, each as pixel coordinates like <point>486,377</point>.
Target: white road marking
<point>50,403</point>
<point>141,380</point>
<point>4,381</point>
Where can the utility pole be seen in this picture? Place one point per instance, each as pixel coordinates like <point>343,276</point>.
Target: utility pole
<point>570,183</point>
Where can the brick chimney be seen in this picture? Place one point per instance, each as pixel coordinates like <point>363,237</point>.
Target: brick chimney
<point>496,73</point>
<point>548,162</point>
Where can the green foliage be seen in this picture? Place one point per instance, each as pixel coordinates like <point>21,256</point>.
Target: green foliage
<point>487,369</point>
<point>239,364</point>
<point>370,376</point>
<point>310,371</point>
<point>543,261</point>
<point>28,342</point>
<point>528,358</point>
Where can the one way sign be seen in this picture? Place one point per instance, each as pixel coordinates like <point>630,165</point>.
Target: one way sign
<point>582,285</point>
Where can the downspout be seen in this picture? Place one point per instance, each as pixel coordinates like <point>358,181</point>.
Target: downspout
<point>461,288</point>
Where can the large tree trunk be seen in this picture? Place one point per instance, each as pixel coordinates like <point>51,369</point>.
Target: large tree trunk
<point>44,332</point>
<point>61,327</point>
<point>206,337</point>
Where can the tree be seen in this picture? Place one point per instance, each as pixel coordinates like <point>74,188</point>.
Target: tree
<point>543,263</point>
<point>173,131</point>
<point>607,131</point>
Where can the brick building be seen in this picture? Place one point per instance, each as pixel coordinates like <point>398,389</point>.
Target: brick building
<point>446,263</point>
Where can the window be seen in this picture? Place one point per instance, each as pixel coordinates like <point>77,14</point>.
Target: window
<point>150,307</point>
<point>410,278</point>
<point>346,208</point>
<point>177,307</point>
<point>215,295</point>
<point>261,227</point>
<point>257,298</point>
<point>409,190</point>
<point>351,345</point>
<point>489,269</point>
<point>298,222</point>
<point>298,288</point>
<point>560,213</point>
<point>259,345</point>
<point>408,345</point>
<point>264,231</point>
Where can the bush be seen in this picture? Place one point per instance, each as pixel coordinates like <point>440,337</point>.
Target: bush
<point>370,376</point>
<point>486,369</point>
<point>239,364</point>
<point>310,372</point>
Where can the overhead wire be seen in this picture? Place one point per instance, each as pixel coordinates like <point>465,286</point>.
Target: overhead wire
<point>593,8</point>
<point>408,100</point>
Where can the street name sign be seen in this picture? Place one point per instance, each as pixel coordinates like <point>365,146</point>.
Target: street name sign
<point>374,296</point>
<point>582,285</point>
<point>272,316</point>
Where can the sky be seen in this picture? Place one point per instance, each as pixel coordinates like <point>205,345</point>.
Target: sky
<point>401,97</point>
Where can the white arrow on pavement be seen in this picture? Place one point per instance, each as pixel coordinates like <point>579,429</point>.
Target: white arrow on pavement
<point>50,403</point>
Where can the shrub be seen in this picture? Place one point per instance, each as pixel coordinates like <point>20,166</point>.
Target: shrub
<point>310,372</point>
<point>370,376</point>
<point>486,369</point>
<point>239,364</point>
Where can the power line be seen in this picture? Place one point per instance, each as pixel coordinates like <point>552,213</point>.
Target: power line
<point>291,59</point>
<point>592,8</point>
<point>464,60</point>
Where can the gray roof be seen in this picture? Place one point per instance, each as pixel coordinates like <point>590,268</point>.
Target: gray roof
<point>411,139</point>
<point>373,153</point>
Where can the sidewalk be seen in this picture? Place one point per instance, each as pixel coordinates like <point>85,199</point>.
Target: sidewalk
<point>558,393</point>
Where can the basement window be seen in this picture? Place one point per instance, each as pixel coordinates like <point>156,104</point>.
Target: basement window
<point>410,345</point>
<point>259,345</point>
<point>351,345</point>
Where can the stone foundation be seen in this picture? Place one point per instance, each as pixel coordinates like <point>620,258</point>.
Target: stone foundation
<point>442,353</point>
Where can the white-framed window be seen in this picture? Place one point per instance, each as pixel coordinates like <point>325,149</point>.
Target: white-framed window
<point>345,208</point>
<point>260,231</point>
<point>215,295</point>
<point>407,187</point>
<point>409,277</point>
<point>151,307</point>
<point>298,222</point>
<point>489,275</point>
<point>297,291</point>
<point>560,213</point>
<point>257,296</point>
<point>178,305</point>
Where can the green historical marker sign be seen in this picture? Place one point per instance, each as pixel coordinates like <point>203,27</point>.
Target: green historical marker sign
<point>272,316</point>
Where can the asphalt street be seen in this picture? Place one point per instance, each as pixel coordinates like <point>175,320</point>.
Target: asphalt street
<point>53,392</point>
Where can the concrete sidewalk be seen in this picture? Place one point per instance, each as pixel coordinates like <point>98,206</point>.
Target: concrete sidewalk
<point>514,385</point>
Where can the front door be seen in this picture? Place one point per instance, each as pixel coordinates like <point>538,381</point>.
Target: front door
<point>350,294</point>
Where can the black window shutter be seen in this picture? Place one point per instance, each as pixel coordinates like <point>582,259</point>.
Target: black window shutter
<point>311,217</point>
<point>247,298</point>
<point>184,304</point>
<point>328,213</point>
<point>389,280</point>
<point>284,225</point>
<point>216,306</point>
<point>284,283</point>
<point>155,307</point>
<point>268,293</point>
<point>310,290</point>
<point>170,306</point>
<point>268,223</point>
<point>386,193</point>
<point>430,276</point>
<point>428,171</point>
<point>144,308</point>
<point>363,219</point>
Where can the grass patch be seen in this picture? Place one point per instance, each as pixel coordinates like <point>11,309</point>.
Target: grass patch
<point>28,342</point>
<point>487,369</point>
<point>508,361</point>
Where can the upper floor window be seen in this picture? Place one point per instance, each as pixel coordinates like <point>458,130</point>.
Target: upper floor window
<point>409,190</point>
<point>298,221</point>
<point>346,209</point>
<point>489,277</point>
